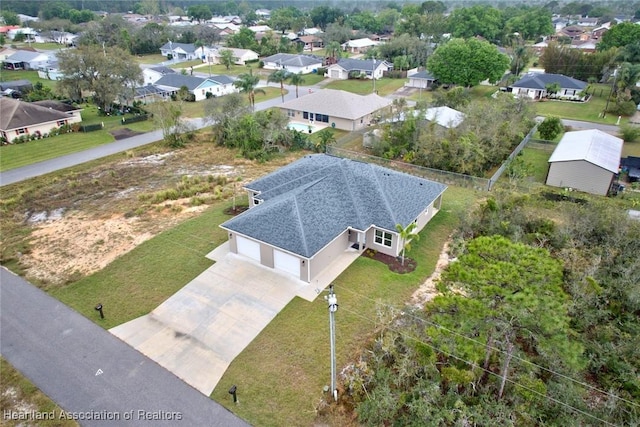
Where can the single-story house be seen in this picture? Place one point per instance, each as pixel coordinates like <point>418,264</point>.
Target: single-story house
<point>148,94</point>
<point>179,51</point>
<point>263,14</point>
<point>242,56</point>
<point>586,160</point>
<point>444,116</point>
<point>28,60</point>
<point>534,85</point>
<point>305,215</point>
<point>18,118</point>
<point>346,67</point>
<point>260,28</point>
<point>198,86</point>
<point>6,52</point>
<point>310,42</point>
<point>421,79</point>
<point>337,108</point>
<point>69,109</point>
<point>296,64</point>
<point>151,75</point>
<point>359,45</point>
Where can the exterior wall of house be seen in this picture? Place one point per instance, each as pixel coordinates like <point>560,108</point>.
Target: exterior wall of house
<point>201,91</point>
<point>337,73</point>
<point>328,254</point>
<point>41,128</point>
<point>580,175</point>
<point>420,83</point>
<point>393,250</point>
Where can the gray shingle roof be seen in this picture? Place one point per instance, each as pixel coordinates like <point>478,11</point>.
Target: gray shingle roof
<point>540,81</point>
<point>187,47</point>
<point>359,64</point>
<point>16,114</point>
<point>290,60</point>
<point>163,70</point>
<point>310,202</point>
<point>178,80</point>
<point>24,56</point>
<point>422,75</point>
<point>223,80</point>
<point>338,103</point>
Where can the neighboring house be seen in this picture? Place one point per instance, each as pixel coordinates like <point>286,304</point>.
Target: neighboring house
<point>242,56</point>
<point>263,14</point>
<point>359,45</point>
<point>16,86</point>
<point>198,86</point>
<point>346,67</point>
<point>153,74</point>
<point>179,51</point>
<point>63,107</point>
<point>588,46</point>
<point>586,160</point>
<point>148,94</point>
<point>50,71</point>
<point>18,118</point>
<point>587,22</point>
<point>310,42</point>
<point>421,79</point>
<point>225,85</point>
<point>260,28</point>
<point>6,52</point>
<point>534,85</point>
<point>296,64</point>
<point>444,116</point>
<point>28,60</point>
<point>304,216</point>
<point>339,109</point>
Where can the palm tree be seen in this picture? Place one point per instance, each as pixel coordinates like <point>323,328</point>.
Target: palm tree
<point>247,83</point>
<point>334,50</point>
<point>297,80</point>
<point>279,76</point>
<point>406,236</point>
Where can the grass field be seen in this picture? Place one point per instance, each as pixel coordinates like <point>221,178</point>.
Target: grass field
<point>383,86</point>
<point>32,76</point>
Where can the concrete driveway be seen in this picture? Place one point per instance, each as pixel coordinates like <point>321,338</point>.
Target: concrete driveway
<point>199,330</point>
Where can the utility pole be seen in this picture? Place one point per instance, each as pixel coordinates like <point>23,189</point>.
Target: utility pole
<point>332,300</point>
<point>373,75</point>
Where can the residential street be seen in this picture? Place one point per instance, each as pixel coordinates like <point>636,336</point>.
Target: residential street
<point>91,373</point>
<point>48,166</point>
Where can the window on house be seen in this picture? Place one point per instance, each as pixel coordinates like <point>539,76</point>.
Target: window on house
<point>383,238</point>
<point>21,131</point>
<point>305,115</point>
<point>256,201</point>
<point>61,122</point>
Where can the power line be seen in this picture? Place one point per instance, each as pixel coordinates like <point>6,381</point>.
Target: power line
<point>474,365</point>
<point>551,371</point>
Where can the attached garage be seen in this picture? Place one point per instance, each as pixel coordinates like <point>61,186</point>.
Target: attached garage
<point>335,74</point>
<point>248,248</point>
<point>286,262</point>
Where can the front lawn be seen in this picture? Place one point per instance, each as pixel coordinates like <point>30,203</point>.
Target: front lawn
<point>281,374</point>
<point>384,86</point>
<point>18,155</point>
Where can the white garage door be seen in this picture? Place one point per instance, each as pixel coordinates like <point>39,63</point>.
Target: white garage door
<point>335,74</point>
<point>285,262</point>
<point>248,248</point>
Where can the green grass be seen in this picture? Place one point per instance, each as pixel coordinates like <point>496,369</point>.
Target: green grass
<point>155,58</point>
<point>587,111</point>
<point>32,76</point>
<point>384,86</point>
<point>19,394</point>
<point>631,149</point>
<point>139,281</point>
<point>18,155</point>
<point>537,159</point>
<point>280,375</point>
<point>312,79</point>
<point>39,46</point>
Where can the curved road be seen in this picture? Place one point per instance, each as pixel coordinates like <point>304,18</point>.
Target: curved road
<point>88,371</point>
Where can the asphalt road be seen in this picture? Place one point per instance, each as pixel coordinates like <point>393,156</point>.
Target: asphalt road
<point>89,372</point>
<point>20,174</point>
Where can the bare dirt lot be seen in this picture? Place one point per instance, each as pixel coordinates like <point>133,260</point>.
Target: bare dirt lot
<point>61,227</point>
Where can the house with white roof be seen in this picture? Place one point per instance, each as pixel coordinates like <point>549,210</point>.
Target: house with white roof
<point>444,116</point>
<point>336,108</point>
<point>260,28</point>
<point>305,216</point>
<point>243,56</point>
<point>421,80</point>
<point>586,160</point>
<point>198,86</point>
<point>359,45</point>
<point>296,64</point>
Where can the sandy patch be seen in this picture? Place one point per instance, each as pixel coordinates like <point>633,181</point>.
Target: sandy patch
<point>427,291</point>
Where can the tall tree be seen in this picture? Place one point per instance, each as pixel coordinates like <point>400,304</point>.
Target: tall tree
<point>247,83</point>
<point>199,12</point>
<point>480,20</point>
<point>467,62</point>
<point>620,35</point>
<point>106,73</point>
<point>243,39</point>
